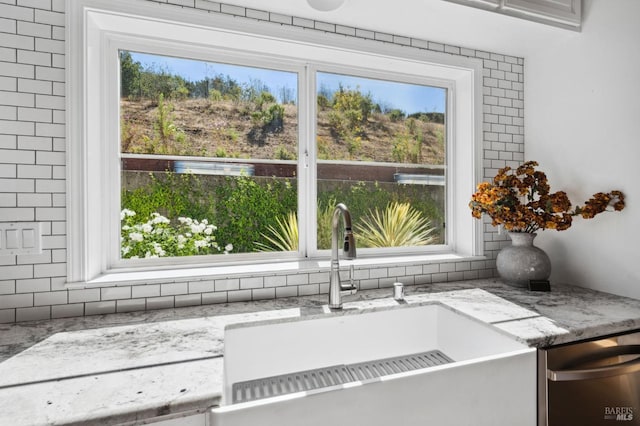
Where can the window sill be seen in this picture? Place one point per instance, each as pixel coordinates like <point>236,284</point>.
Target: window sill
<point>129,278</point>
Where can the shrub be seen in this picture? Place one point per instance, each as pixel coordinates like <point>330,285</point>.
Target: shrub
<point>246,207</point>
<point>157,237</point>
<point>396,115</point>
<point>355,106</point>
<point>406,148</point>
<point>172,195</point>
<point>282,153</point>
<point>398,225</point>
<point>283,237</point>
<point>270,119</point>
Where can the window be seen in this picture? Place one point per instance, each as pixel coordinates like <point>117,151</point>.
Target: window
<point>259,140</point>
<point>208,158</point>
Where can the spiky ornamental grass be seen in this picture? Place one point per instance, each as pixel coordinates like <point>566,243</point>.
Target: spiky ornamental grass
<point>398,225</point>
<point>284,237</point>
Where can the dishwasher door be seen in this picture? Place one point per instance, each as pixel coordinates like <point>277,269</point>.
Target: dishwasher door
<point>594,383</point>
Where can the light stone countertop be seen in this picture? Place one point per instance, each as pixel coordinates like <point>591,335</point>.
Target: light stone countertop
<point>127,368</point>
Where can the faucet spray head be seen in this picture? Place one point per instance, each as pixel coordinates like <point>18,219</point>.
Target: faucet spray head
<point>349,248</point>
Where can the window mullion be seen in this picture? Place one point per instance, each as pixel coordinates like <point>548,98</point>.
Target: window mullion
<point>307,165</point>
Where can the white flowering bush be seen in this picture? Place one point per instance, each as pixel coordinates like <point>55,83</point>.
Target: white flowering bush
<point>158,237</point>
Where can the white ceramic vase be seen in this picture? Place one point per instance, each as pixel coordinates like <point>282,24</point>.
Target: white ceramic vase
<point>522,262</point>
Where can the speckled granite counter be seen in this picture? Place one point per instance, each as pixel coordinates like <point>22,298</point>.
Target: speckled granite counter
<point>124,368</point>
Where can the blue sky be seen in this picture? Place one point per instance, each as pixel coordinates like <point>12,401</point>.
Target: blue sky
<point>408,97</point>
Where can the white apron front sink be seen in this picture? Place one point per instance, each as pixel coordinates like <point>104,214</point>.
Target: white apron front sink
<point>491,379</point>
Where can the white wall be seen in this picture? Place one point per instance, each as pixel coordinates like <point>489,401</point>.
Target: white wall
<point>582,103</point>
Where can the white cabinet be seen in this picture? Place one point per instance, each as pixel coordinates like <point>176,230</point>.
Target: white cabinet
<point>568,12</point>
<point>562,13</point>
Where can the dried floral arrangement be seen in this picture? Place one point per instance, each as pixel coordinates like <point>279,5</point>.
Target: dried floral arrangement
<point>521,201</point>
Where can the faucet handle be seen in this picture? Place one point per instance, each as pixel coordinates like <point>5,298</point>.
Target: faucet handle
<point>351,288</point>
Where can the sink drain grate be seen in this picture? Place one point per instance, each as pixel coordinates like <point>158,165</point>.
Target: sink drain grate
<point>267,387</point>
<point>384,367</point>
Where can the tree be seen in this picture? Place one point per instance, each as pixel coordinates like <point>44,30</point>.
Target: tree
<point>129,75</point>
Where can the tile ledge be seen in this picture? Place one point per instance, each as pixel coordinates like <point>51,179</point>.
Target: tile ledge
<point>172,275</point>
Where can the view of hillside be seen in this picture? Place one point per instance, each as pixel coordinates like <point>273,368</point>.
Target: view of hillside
<point>226,128</point>
<point>221,117</point>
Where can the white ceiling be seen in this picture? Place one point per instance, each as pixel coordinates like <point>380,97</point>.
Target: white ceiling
<point>434,20</point>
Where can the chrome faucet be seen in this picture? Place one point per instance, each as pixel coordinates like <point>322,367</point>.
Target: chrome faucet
<point>336,288</point>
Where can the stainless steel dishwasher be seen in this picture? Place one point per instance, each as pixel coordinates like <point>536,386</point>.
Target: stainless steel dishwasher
<point>592,383</point>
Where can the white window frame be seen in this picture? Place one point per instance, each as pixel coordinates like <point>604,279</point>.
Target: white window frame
<point>98,28</point>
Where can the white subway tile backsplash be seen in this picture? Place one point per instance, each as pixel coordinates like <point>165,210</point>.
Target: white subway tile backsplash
<point>232,10</point>
<point>35,86</point>
<point>368,284</point>
<point>207,5</point>
<point>17,98</point>
<point>8,200</point>
<point>16,272</point>
<point>188,300</point>
<point>33,285</point>
<point>57,33</point>
<point>378,273</point>
<point>33,314</point>
<point>7,287</point>
<point>34,200</point>
<point>309,289</point>
<point>275,281</point>
<point>34,29</point>
<point>7,83</point>
<point>149,290</point>
<point>281,19</point>
<point>65,311</point>
<point>291,291</point>
<point>212,298</point>
<point>100,308</point>
<point>17,127</point>
<point>17,13</point>
<point>396,271</point>
<point>299,279</point>
<point>160,302</point>
<point>7,316</point>
<point>36,4</point>
<point>227,285</point>
<point>35,114</point>
<point>49,17</point>
<point>431,268</point>
<point>114,293</point>
<point>250,283</point>
<point>173,289</point>
<point>34,143</point>
<point>263,293</point>
<point>258,14</point>
<point>201,286</point>
<point>8,112</point>
<point>16,300</point>
<point>50,298</point>
<point>33,172</point>
<point>17,41</point>
<point>360,274</point>
<point>8,171</point>
<point>84,295</point>
<point>8,25</point>
<point>321,277</point>
<point>239,296</point>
